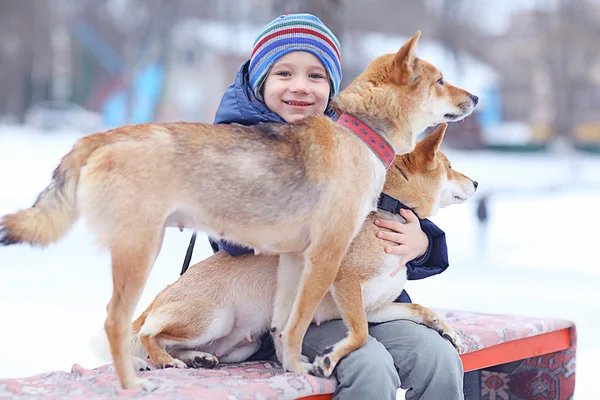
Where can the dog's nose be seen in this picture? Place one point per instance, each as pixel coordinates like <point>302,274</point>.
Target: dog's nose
<point>475,99</point>
<point>475,184</point>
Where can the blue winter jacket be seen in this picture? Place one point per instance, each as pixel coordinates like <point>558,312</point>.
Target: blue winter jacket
<point>240,106</point>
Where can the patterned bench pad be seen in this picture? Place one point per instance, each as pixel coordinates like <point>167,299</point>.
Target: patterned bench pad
<point>253,380</point>
<point>244,381</point>
<point>479,331</point>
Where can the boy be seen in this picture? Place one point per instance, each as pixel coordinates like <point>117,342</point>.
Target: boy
<point>294,71</point>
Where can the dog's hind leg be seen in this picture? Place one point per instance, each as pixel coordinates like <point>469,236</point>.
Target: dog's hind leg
<point>186,327</point>
<point>158,354</point>
<point>416,313</point>
<point>289,273</point>
<point>131,264</point>
<point>347,294</point>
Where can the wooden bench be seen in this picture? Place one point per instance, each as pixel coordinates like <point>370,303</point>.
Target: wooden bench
<point>501,354</point>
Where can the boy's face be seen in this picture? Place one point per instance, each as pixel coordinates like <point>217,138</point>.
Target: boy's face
<point>297,86</point>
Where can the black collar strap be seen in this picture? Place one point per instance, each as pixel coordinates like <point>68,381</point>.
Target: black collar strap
<point>391,204</point>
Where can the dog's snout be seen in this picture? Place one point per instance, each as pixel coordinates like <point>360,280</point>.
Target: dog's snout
<point>475,184</point>
<point>475,100</point>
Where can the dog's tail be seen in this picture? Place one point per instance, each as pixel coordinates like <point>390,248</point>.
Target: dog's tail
<point>101,347</point>
<point>55,210</point>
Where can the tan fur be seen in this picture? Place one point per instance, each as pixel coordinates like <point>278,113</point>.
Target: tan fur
<point>246,285</point>
<point>275,187</point>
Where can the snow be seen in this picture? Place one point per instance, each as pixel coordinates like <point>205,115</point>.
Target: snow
<point>538,257</point>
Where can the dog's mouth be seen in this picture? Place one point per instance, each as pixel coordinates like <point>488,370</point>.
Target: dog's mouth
<point>465,107</point>
<point>458,198</point>
<point>452,117</point>
<point>298,103</point>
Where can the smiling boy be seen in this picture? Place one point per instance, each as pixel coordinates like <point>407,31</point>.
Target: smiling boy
<point>294,71</point>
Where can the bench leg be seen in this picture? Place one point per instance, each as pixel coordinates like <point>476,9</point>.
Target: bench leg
<point>472,385</point>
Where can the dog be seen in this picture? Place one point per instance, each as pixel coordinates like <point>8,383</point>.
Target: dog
<point>218,310</point>
<point>299,190</point>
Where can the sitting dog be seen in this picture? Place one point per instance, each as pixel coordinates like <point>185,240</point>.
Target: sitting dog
<point>221,306</point>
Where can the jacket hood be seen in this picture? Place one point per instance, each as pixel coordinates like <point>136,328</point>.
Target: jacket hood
<point>240,106</point>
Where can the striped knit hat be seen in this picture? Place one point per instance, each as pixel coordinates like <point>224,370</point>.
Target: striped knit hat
<point>294,32</point>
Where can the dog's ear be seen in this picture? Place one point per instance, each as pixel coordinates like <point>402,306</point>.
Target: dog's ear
<point>431,144</point>
<point>404,61</point>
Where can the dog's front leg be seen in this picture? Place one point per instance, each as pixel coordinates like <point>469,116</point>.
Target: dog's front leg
<point>289,273</point>
<point>416,313</point>
<point>347,293</point>
<point>320,268</point>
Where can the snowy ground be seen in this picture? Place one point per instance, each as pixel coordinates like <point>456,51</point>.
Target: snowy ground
<point>538,257</point>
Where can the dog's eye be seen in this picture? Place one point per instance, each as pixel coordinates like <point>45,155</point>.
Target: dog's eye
<point>449,166</point>
<point>441,81</point>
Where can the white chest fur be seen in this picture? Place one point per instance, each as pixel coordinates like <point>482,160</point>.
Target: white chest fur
<point>383,288</point>
<point>378,180</point>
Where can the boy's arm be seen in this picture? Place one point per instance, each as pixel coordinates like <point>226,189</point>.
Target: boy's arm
<point>435,259</point>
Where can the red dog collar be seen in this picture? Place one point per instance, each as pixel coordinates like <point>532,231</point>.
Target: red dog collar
<point>377,143</point>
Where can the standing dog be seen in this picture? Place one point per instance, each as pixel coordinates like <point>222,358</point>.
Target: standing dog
<point>301,190</point>
<point>221,306</point>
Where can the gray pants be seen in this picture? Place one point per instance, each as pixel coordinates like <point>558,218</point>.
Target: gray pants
<point>398,354</point>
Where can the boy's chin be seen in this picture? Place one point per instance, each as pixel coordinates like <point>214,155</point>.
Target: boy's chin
<point>294,118</point>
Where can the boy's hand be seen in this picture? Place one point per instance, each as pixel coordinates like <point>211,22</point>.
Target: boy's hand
<point>411,241</point>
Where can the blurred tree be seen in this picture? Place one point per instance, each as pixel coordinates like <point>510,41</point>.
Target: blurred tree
<point>132,32</point>
<point>329,11</point>
<point>545,58</point>
<point>454,27</point>
<point>566,48</point>
<point>24,55</point>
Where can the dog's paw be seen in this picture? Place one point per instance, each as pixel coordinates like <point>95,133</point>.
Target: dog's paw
<point>447,332</point>
<point>431,320</point>
<point>179,364</point>
<point>205,361</point>
<point>174,363</point>
<point>453,337</point>
<point>140,364</point>
<point>323,366</point>
<point>198,359</point>
<point>141,384</point>
<point>298,367</point>
<point>299,364</point>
